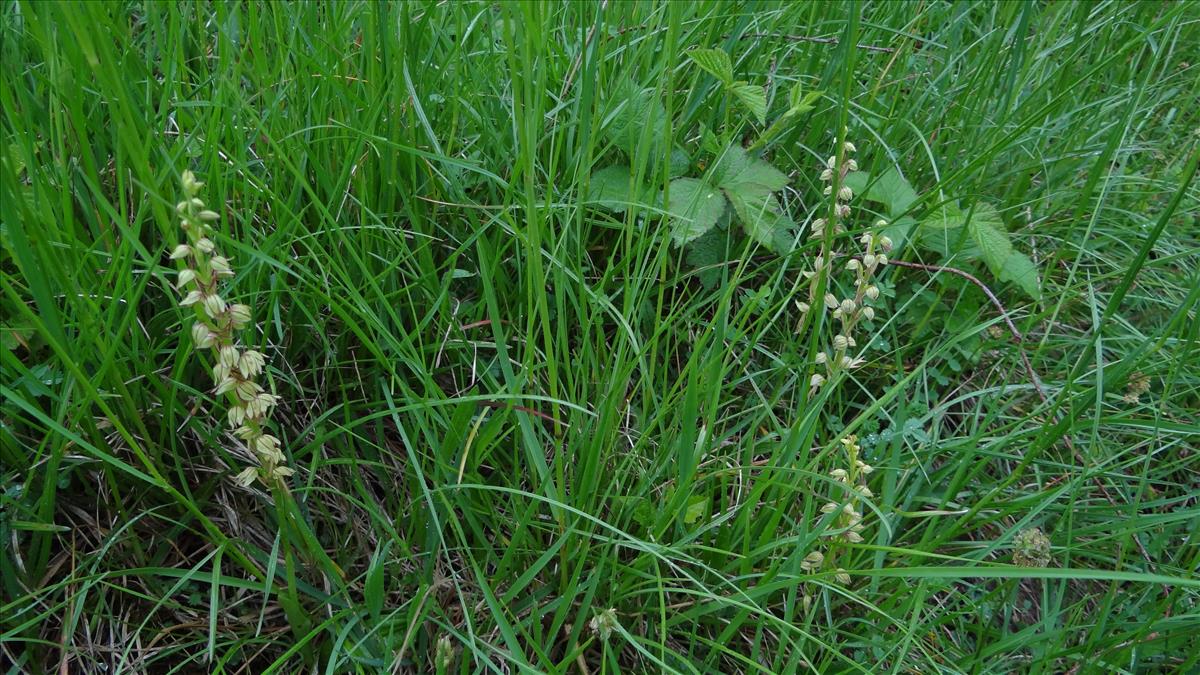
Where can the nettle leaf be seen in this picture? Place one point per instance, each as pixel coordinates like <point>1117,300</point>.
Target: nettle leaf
<point>737,170</point>
<point>1006,264</point>
<point>762,218</point>
<point>695,207</point>
<point>715,62</point>
<point>612,188</point>
<point>753,98</point>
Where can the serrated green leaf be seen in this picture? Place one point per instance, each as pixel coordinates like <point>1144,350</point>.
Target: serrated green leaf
<point>762,218</point>
<point>632,109</point>
<point>888,188</point>
<point>715,62</point>
<point>1006,264</point>
<point>799,102</point>
<point>736,170</point>
<point>944,231</point>
<point>707,252</point>
<point>695,207</point>
<point>613,189</point>
<point>1020,270</point>
<point>753,98</point>
<point>680,162</point>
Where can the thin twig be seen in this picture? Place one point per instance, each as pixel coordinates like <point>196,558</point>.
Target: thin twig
<point>813,38</point>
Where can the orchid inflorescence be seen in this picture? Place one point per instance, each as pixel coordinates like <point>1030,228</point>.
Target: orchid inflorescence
<point>848,311</point>
<point>202,269</point>
<point>847,525</point>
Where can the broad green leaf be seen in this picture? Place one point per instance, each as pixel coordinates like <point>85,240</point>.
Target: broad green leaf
<point>613,189</point>
<point>944,231</point>
<point>695,207</point>
<point>753,98</point>
<point>762,218</point>
<point>888,188</point>
<point>987,229</point>
<point>1020,270</point>
<point>680,162</point>
<point>736,170</point>
<point>696,508</point>
<point>799,102</point>
<point>707,252</point>
<point>715,62</point>
<point>632,110</point>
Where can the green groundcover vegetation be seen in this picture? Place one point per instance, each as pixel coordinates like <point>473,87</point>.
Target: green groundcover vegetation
<point>599,337</point>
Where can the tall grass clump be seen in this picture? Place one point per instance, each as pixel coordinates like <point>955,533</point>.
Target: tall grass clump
<point>548,337</point>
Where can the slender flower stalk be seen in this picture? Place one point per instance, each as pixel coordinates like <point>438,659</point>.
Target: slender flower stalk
<point>201,270</point>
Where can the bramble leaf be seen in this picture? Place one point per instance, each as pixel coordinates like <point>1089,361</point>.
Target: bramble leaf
<point>761,217</point>
<point>707,252</point>
<point>612,188</point>
<point>1006,264</point>
<point>715,62</point>
<point>634,109</point>
<point>737,170</point>
<point>753,98</point>
<point>695,207</point>
<point>888,188</point>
